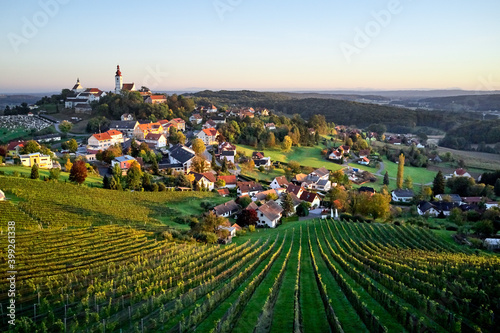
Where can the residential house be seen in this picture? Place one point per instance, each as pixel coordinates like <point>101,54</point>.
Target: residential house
<point>449,197</point>
<point>212,109</point>
<point>155,99</point>
<point>204,180</point>
<point>346,149</point>
<point>435,208</point>
<point>364,161</point>
<point>228,151</point>
<point>461,173</point>
<point>318,180</point>
<point>231,230</point>
<point>218,119</point>
<point>48,138</point>
<point>179,124</point>
<point>227,209</point>
<point>299,178</point>
<point>231,181</point>
<point>43,161</point>
<point>142,130</point>
<point>155,141</point>
<point>102,141</point>
<point>196,119</point>
<point>270,126</point>
<point>127,117</point>
<point>295,189</point>
<point>178,158</point>
<point>127,127</point>
<point>312,198</point>
<point>402,195</point>
<point>336,155</point>
<point>262,196</point>
<point>208,136</point>
<point>248,188</point>
<point>269,214</point>
<point>260,160</point>
<point>366,189</point>
<point>124,162</point>
<point>14,148</point>
<point>209,124</point>
<point>223,192</point>
<point>279,182</point>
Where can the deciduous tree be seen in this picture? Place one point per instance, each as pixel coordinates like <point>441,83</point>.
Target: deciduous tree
<point>401,168</point>
<point>78,172</point>
<point>247,217</point>
<point>134,176</point>
<point>286,145</point>
<point>54,173</point>
<point>68,165</point>
<point>198,146</point>
<point>65,126</point>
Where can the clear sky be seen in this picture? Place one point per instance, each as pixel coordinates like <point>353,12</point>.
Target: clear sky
<point>250,44</point>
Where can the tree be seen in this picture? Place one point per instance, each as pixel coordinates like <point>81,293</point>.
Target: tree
<point>106,182</point>
<point>78,172</point>
<point>497,187</point>
<point>438,184</point>
<point>386,178</point>
<point>31,147</point>
<point>146,181</point>
<point>54,174</point>
<point>154,166</point>
<point>286,145</point>
<point>295,166</point>
<point>379,205</point>
<point>426,192</point>
<point>303,208</point>
<point>401,168</point>
<point>68,165</point>
<point>408,183</point>
<point>198,146</point>
<point>244,201</point>
<point>199,164</point>
<point>287,205</point>
<point>134,176</point>
<point>65,126</point>
<point>220,183</point>
<point>34,172</point>
<point>271,140</point>
<point>484,228</point>
<point>72,145</point>
<point>247,217</point>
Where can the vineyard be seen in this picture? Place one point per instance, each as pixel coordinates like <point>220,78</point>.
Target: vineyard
<point>314,276</point>
<point>45,205</point>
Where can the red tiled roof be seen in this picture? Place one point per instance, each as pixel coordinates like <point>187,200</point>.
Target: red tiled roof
<point>158,97</point>
<point>14,144</point>
<point>210,131</point>
<point>231,179</point>
<point>308,196</point>
<point>460,172</point>
<point>102,136</point>
<point>223,191</point>
<point>114,132</point>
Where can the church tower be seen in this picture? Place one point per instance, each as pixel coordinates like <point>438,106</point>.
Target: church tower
<point>118,80</point>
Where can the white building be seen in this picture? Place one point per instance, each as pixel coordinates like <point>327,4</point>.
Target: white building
<point>269,214</point>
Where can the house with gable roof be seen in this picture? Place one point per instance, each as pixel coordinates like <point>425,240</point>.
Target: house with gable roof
<point>269,214</point>
<point>227,209</point>
<point>208,136</point>
<point>279,182</point>
<point>249,188</point>
<point>204,180</point>
<point>231,181</point>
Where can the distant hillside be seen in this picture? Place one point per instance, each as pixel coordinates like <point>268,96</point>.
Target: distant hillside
<point>338,111</point>
<point>345,97</point>
<point>17,99</point>
<point>465,103</point>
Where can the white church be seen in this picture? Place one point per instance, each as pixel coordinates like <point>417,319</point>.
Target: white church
<point>80,97</point>
<point>119,85</point>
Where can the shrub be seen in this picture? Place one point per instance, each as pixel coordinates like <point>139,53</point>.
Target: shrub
<point>251,228</point>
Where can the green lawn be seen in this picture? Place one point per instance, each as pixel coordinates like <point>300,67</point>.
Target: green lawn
<point>6,135</point>
<point>93,181</point>
<point>187,208</point>
<point>306,156</point>
<point>419,175</point>
<point>264,176</point>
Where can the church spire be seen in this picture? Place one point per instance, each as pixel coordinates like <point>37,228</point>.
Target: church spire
<point>118,73</point>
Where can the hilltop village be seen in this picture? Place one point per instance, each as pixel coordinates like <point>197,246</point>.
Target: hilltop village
<point>170,143</point>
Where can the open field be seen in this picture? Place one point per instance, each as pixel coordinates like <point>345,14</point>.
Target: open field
<point>306,156</point>
<point>474,159</point>
<point>264,176</point>
<point>7,135</point>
